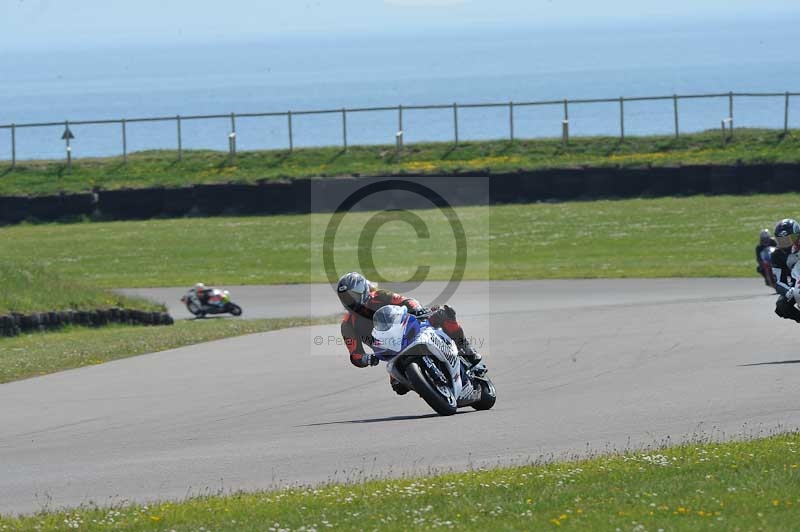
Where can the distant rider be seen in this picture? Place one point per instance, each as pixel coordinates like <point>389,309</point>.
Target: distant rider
<point>783,259</point>
<point>763,264</point>
<point>361,299</point>
<point>202,292</point>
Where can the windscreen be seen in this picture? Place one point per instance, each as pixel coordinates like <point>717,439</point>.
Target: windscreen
<point>386,317</point>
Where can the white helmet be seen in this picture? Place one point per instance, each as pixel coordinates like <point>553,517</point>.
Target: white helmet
<point>199,286</point>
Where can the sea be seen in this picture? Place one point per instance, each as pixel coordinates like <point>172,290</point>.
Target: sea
<point>314,73</point>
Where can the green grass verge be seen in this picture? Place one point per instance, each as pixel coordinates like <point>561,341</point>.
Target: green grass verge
<point>750,485</point>
<point>665,237</point>
<point>31,287</point>
<point>38,354</point>
<point>162,168</point>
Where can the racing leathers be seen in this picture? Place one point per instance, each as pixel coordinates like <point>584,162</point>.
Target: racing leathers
<point>783,260</point>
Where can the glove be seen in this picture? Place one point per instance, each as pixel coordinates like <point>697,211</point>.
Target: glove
<point>792,294</point>
<point>419,311</point>
<point>370,359</point>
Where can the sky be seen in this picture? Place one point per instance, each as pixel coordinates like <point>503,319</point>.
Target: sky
<point>47,24</point>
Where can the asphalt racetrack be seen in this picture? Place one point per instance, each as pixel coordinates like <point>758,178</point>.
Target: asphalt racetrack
<point>580,367</point>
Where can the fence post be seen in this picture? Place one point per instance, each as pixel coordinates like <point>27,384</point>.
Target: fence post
<point>455,121</point>
<point>233,123</point>
<point>400,117</point>
<point>730,113</point>
<point>180,138</point>
<point>344,128</point>
<point>14,144</point>
<point>69,148</point>
<point>124,141</point>
<point>291,135</point>
<point>786,115</point>
<point>675,107</point>
<point>621,118</point>
<point>511,119</point>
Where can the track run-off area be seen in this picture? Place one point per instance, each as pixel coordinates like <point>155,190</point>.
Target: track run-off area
<point>581,367</point>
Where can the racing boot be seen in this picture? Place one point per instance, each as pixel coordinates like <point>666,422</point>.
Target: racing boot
<point>398,387</point>
<point>473,358</point>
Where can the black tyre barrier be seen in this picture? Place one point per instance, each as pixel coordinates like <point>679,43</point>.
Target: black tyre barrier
<point>15,323</point>
<point>695,179</point>
<point>663,181</point>
<point>724,180</point>
<point>178,201</point>
<point>131,204</point>
<point>599,182</point>
<point>14,208</point>
<point>468,188</point>
<point>245,199</point>
<point>299,190</point>
<point>83,204</point>
<point>212,200</point>
<point>753,179</point>
<point>46,207</point>
<point>785,178</point>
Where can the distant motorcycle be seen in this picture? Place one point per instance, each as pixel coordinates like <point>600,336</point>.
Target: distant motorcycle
<point>219,302</point>
<point>426,360</point>
<point>765,266</point>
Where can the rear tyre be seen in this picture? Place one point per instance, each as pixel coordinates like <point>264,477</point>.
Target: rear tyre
<point>488,395</point>
<point>234,309</point>
<point>429,393</point>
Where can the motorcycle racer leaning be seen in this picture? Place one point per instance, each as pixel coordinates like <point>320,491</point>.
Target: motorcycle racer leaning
<point>361,299</point>
<point>784,258</point>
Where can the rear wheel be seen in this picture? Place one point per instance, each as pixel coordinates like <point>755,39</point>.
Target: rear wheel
<point>444,404</point>
<point>488,395</point>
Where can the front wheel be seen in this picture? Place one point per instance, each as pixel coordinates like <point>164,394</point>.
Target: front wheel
<point>234,309</point>
<point>430,394</point>
<point>488,395</point>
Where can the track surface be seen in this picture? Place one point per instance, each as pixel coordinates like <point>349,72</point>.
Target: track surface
<point>580,367</point>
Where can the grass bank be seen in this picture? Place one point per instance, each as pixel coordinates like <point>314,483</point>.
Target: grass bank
<point>30,287</point>
<point>39,354</point>
<point>162,168</point>
<point>750,485</point>
<point>665,237</point>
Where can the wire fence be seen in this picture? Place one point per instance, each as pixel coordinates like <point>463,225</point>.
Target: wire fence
<point>508,112</point>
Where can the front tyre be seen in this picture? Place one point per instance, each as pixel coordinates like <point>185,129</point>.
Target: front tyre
<point>429,393</point>
<point>195,309</point>
<point>488,395</point>
<point>234,309</point>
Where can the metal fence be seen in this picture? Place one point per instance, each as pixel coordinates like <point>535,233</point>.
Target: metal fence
<point>726,122</point>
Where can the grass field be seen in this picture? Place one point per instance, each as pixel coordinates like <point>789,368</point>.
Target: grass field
<point>696,236</point>
<point>38,354</point>
<point>746,485</point>
<point>162,168</point>
<point>28,286</point>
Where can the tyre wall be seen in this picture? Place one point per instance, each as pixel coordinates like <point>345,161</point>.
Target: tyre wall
<point>294,197</point>
<point>16,323</point>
